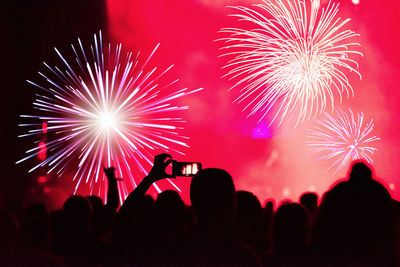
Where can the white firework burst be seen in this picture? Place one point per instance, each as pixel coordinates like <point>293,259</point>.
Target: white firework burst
<point>342,137</point>
<point>294,59</point>
<point>106,110</point>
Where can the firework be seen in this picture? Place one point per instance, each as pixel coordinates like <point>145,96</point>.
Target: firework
<point>106,110</point>
<point>293,61</point>
<point>342,137</point>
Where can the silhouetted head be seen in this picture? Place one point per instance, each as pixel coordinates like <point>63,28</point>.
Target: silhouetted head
<point>247,203</point>
<point>102,217</point>
<point>355,219</point>
<point>290,228</point>
<point>360,171</point>
<point>269,205</point>
<point>96,202</point>
<point>212,194</point>
<point>309,201</point>
<point>77,212</point>
<point>248,211</point>
<point>169,211</point>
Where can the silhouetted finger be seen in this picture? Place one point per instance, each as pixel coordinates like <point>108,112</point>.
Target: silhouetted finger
<point>168,162</point>
<point>163,155</point>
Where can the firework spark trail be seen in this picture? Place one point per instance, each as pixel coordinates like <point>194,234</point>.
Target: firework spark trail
<point>293,61</point>
<point>106,111</point>
<point>340,138</point>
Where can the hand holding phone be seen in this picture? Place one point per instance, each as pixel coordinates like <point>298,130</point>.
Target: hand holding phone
<point>161,162</point>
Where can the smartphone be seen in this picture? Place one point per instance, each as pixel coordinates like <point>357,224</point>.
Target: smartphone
<point>186,169</point>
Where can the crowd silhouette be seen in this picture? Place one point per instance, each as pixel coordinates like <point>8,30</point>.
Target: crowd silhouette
<point>354,224</point>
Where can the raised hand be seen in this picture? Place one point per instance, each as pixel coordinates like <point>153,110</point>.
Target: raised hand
<point>110,173</point>
<point>161,162</point>
<point>112,194</point>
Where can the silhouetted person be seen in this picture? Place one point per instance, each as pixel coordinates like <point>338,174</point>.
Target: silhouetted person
<point>212,194</point>
<point>310,202</point>
<point>267,217</point>
<point>269,205</point>
<point>289,233</point>
<point>35,229</point>
<point>102,223</point>
<point>100,220</point>
<point>77,212</point>
<point>360,173</point>
<point>167,229</point>
<point>77,246</point>
<point>249,220</point>
<point>355,225</point>
<point>168,216</point>
<point>112,192</point>
<point>104,215</point>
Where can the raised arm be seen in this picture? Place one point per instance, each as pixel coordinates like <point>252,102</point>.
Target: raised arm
<point>112,193</point>
<point>157,173</point>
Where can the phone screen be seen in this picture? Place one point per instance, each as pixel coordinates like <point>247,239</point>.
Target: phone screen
<point>185,168</point>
